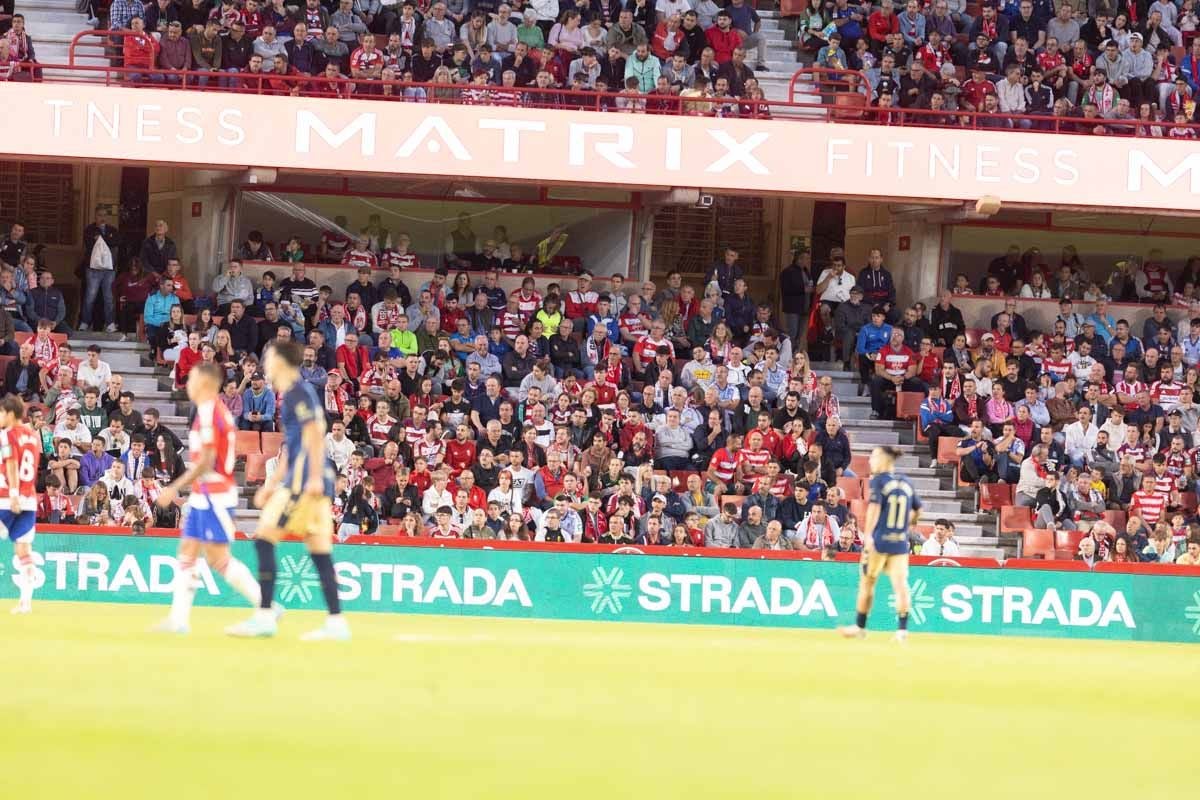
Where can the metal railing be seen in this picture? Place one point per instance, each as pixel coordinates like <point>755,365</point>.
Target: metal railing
<point>831,95</point>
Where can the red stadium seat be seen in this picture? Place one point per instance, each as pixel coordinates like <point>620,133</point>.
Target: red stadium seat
<point>247,443</point>
<point>973,337</point>
<point>256,469</point>
<point>1066,544</point>
<point>271,442</point>
<point>858,510</point>
<point>908,405</point>
<point>852,487</point>
<point>994,496</point>
<point>1037,543</point>
<point>21,337</point>
<point>861,464</point>
<point>1117,519</point>
<point>946,450</point>
<point>1014,519</point>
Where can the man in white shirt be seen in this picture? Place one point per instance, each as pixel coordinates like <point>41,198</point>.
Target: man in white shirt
<point>1011,94</point>
<point>941,542</point>
<point>834,282</point>
<point>436,496</point>
<point>1081,361</point>
<point>74,431</point>
<point>93,371</point>
<point>1080,436</point>
<point>338,446</point>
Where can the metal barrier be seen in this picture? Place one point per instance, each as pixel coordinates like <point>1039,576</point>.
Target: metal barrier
<point>840,96</point>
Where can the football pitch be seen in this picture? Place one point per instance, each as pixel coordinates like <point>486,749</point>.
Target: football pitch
<point>93,706</point>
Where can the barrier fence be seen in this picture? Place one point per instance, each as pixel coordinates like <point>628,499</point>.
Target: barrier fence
<point>515,580</point>
<point>816,94</point>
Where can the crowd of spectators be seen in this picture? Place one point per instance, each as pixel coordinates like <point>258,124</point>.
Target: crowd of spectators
<point>1117,68</point>
<point>631,55</point>
<point>556,411</point>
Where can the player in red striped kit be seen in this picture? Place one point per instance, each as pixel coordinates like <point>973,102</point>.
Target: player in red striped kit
<point>20,452</point>
<point>213,497</point>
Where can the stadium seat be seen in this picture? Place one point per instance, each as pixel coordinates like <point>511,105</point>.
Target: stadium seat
<point>1117,519</point>
<point>189,320</point>
<point>247,443</point>
<point>973,337</point>
<point>271,442</point>
<point>1066,544</point>
<point>1014,519</point>
<point>21,337</point>
<point>994,496</point>
<point>736,499</point>
<point>946,450</point>
<point>1189,502</point>
<point>858,510</point>
<point>861,464</point>
<point>1037,543</point>
<point>908,405</point>
<point>852,487</point>
<point>4,362</point>
<point>256,469</point>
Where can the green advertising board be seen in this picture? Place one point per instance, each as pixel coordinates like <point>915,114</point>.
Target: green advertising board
<point>642,588</point>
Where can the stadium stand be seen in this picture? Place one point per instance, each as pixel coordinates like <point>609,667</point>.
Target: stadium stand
<point>985,66</point>
<point>999,426</point>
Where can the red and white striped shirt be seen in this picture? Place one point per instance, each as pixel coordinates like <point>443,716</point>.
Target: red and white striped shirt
<point>754,459</point>
<point>1131,389</point>
<point>528,305</point>
<point>1148,505</point>
<point>1166,393</point>
<point>513,324</point>
<point>360,258</point>
<point>1057,369</point>
<point>378,429</point>
<point>723,464</point>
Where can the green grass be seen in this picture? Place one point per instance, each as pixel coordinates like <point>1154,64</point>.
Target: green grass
<point>94,707</point>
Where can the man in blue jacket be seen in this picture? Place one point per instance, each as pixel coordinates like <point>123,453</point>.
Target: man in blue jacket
<point>937,418</point>
<point>871,339</point>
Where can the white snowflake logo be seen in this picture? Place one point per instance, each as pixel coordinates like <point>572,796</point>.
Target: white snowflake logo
<point>606,591</point>
<point>1192,613</point>
<point>296,579</point>
<point>919,601</point>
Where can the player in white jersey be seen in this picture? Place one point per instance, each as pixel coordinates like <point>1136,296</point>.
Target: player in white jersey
<point>20,452</point>
<point>208,527</point>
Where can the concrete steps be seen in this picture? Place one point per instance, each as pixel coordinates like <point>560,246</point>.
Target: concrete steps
<point>53,24</point>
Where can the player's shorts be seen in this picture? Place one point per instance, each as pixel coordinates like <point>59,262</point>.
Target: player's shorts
<point>302,515</point>
<point>210,518</point>
<point>894,565</point>
<point>17,527</point>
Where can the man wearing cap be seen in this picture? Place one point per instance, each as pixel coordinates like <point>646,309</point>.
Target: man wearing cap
<point>975,89</point>
<point>993,26</point>
<point>1139,66</point>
